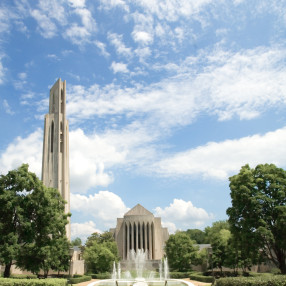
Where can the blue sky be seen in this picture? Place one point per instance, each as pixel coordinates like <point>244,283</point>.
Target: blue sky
<point>165,99</point>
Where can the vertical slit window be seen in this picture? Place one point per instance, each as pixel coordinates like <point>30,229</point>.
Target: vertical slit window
<point>61,139</point>
<point>62,101</point>
<point>52,138</point>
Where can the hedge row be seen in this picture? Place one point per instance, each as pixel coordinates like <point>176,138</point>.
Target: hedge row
<point>24,276</point>
<point>279,280</point>
<point>79,279</point>
<point>201,278</point>
<point>179,275</point>
<point>32,282</point>
<point>105,275</point>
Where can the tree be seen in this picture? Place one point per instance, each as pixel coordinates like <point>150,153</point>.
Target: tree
<point>100,252</point>
<point>258,213</point>
<point>197,235</point>
<point>181,252</point>
<point>32,223</point>
<point>219,235</point>
<point>76,242</point>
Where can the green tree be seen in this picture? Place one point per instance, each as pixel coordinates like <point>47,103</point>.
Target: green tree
<point>100,252</point>
<point>196,234</point>
<point>76,242</point>
<point>258,213</point>
<point>181,252</point>
<point>32,222</point>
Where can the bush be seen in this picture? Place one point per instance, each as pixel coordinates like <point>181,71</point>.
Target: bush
<point>253,281</point>
<point>32,282</point>
<point>24,276</point>
<point>105,275</point>
<point>179,275</point>
<point>80,279</point>
<point>201,278</point>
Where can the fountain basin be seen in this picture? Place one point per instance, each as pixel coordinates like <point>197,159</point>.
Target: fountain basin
<point>141,282</point>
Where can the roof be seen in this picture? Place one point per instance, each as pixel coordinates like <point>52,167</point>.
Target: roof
<point>138,210</point>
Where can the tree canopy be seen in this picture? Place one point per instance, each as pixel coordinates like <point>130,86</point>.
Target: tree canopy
<point>100,252</point>
<point>32,223</point>
<point>258,214</point>
<point>181,252</point>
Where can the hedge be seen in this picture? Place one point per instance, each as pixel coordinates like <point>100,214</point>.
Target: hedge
<point>79,279</point>
<point>201,278</point>
<point>105,275</point>
<point>279,280</point>
<point>32,282</point>
<point>179,275</point>
<point>24,276</point>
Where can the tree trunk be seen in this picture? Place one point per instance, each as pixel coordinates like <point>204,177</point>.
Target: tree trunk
<point>7,270</point>
<point>282,266</point>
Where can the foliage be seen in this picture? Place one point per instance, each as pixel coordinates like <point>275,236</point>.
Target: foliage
<point>197,235</point>
<point>23,276</point>
<point>251,281</point>
<point>76,242</point>
<point>100,252</point>
<point>105,275</point>
<point>80,279</point>
<point>179,275</point>
<point>181,252</point>
<point>32,282</point>
<point>258,213</point>
<point>32,223</point>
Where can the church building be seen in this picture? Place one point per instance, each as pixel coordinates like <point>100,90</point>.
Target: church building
<point>139,229</point>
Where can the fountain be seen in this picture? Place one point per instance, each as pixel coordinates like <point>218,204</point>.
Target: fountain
<point>140,273</point>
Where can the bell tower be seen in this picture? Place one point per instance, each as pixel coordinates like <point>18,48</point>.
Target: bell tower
<point>55,162</point>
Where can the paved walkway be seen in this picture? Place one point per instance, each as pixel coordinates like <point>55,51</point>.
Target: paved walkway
<point>196,283</point>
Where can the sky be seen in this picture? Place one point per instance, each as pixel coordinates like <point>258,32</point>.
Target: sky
<point>165,100</point>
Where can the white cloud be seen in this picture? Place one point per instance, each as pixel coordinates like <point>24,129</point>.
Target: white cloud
<point>183,214</point>
<point>2,75</point>
<point>119,67</point>
<point>142,37</point>
<point>117,41</point>
<point>88,157</point>
<point>102,47</point>
<point>77,3</point>
<point>220,160</point>
<point>48,14</point>
<point>23,150</point>
<point>80,34</point>
<point>83,230</point>
<point>104,206</point>
<point>7,107</point>
<point>241,84</point>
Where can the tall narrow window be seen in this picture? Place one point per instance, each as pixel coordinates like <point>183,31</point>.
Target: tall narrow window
<point>62,101</point>
<point>61,138</point>
<point>52,137</point>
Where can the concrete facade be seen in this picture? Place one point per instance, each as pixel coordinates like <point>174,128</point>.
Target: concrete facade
<point>139,229</point>
<point>55,162</point>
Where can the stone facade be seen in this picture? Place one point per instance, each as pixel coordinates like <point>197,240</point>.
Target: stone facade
<point>139,229</point>
<point>55,164</point>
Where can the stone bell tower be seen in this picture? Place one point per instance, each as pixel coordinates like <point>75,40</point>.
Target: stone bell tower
<point>55,162</point>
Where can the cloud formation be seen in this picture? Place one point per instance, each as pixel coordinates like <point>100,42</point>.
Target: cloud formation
<point>182,214</point>
<point>105,206</point>
<point>221,159</point>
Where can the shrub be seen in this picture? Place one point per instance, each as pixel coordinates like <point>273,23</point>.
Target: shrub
<point>253,281</point>
<point>201,278</point>
<point>105,275</point>
<point>179,275</point>
<point>80,279</point>
<point>23,276</point>
<point>32,282</point>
